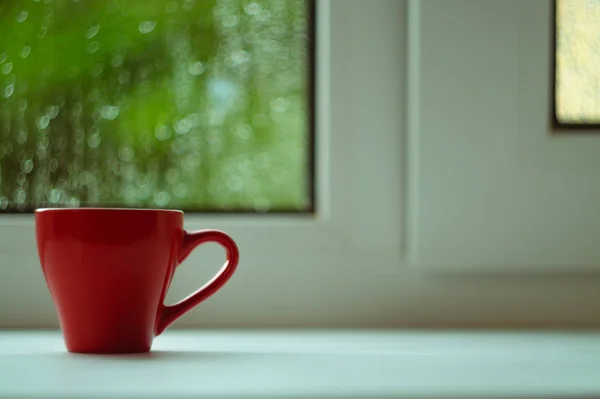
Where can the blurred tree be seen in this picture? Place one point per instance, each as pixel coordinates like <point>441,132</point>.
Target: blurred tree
<point>191,104</point>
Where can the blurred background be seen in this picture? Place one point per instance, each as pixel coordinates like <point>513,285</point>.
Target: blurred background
<point>196,105</point>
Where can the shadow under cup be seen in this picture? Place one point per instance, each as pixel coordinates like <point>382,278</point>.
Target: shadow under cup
<point>108,272</point>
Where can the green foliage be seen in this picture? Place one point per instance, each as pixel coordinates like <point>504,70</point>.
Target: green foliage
<point>192,104</point>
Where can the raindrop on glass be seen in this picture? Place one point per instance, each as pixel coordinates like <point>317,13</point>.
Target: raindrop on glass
<point>92,47</point>
<point>93,141</point>
<point>126,154</point>
<point>124,77</point>
<point>2,59</point>
<point>43,122</point>
<point>97,69</point>
<point>240,57</point>
<point>182,127</point>
<point>43,143</point>
<point>196,68</point>
<point>52,111</point>
<point>26,165</point>
<point>92,31</point>
<point>6,68</point>
<point>73,202</point>
<point>20,196</point>
<point>9,90</point>
<point>280,104</point>
<point>147,27</point>
<point>181,191</point>
<point>3,203</point>
<point>22,136</point>
<point>262,161</point>
<point>22,16</point>
<point>162,133</point>
<point>25,51</point>
<point>109,112</point>
<point>54,196</point>
<point>252,9</point>
<point>162,198</point>
<point>53,165</point>
<point>117,60</point>
<point>172,7</point>
<point>230,21</point>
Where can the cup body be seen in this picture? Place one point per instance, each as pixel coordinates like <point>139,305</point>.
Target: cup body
<point>108,271</point>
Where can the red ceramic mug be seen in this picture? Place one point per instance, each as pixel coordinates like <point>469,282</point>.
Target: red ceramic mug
<point>108,271</point>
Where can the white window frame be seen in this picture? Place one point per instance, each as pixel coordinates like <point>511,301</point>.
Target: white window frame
<point>356,262</point>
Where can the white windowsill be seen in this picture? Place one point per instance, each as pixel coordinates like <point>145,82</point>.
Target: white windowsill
<point>333,364</point>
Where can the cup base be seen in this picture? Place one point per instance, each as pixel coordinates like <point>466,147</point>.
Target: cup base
<point>108,351</point>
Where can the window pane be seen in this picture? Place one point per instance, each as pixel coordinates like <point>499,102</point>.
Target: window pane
<point>577,61</point>
<point>190,104</point>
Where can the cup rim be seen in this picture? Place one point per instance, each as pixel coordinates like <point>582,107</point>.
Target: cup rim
<point>97,209</point>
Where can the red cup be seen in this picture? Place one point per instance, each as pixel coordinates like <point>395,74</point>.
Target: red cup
<point>108,271</point>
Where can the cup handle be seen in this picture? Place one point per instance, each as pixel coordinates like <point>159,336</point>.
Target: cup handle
<point>168,314</point>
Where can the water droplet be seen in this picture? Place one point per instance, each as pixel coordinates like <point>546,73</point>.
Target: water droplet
<point>162,133</point>
<point>126,154</point>
<point>52,111</point>
<point>97,69</point>
<point>252,9</point>
<point>43,143</point>
<point>235,184</point>
<point>230,21</point>
<point>124,77</point>
<point>172,176</point>
<point>43,122</point>
<point>73,202</point>
<point>43,32</point>
<point>26,166</point>
<point>280,104</point>
<point>109,112</point>
<point>244,132</point>
<point>117,60</point>
<point>6,68</point>
<point>188,5</point>
<point>92,47</point>
<point>9,90</point>
<point>172,7</point>
<point>94,141</point>
<point>22,16</point>
<point>262,161</point>
<point>240,57</point>
<point>196,68</point>
<point>162,198</point>
<point>54,196</point>
<point>3,203</point>
<point>22,136</point>
<point>25,51</point>
<point>181,190</point>
<point>20,196</point>
<point>2,59</point>
<point>182,127</point>
<point>76,109</point>
<point>147,27</point>
<point>22,105</point>
<point>53,165</point>
<point>92,31</point>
